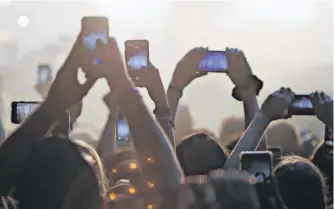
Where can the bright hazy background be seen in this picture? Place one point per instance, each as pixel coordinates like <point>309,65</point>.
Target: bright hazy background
<point>287,42</point>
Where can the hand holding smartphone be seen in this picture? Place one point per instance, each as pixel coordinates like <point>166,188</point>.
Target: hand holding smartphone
<point>137,57</point>
<point>301,105</point>
<point>257,163</point>
<point>22,110</point>
<point>123,132</point>
<point>92,29</point>
<point>214,61</point>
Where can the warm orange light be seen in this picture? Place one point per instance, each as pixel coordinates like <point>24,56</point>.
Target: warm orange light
<point>149,206</point>
<point>132,190</point>
<point>150,184</point>
<point>112,196</point>
<point>150,160</point>
<point>114,171</point>
<point>133,165</point>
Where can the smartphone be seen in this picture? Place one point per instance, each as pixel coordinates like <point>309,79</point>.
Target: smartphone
<point>301,105</point>
<point>44,74</point>
<point>123,132</point>
<point>22,110</point>
<point>92,29</point>
<point>136,54</point>
<point>277,154</point>
<point>257,163</point>
<point>214,61</point>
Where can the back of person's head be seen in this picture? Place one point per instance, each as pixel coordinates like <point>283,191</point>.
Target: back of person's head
<point>301,184</point>
<point>284,135</point>
<point>233,190</point>
<point>229,127</point>
<point>235,139</point>
<point>184,123</point>
<point>57,175</point>
<point>199,153</point>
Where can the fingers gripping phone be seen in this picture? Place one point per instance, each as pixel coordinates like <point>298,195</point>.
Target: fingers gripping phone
<point>257,163</point>
<point>93,29</point>
<point>214,61</point>
<point>301,105</point>
<point>22,110</point>
<point>123,132</point>
<point>136,56</point>
<point>44,74</point>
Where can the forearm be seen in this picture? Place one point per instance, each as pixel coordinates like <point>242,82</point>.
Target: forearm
<point>250,139</point>
<point>251,107</point>
<point>173,97</point>
<point>15,149</point>
<point>2,131</point>
<point>108,138</point>
<point>167,126</point>
<point>149,140</point>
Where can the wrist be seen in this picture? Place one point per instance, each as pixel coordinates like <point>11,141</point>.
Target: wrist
<point>263,116</point>
<point>172,88</point>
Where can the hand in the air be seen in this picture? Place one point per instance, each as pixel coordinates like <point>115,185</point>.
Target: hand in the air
<point>239,70</point>
<point>151,80</point>
<point>187,68</point>
<point>66,90</point>
<point>277,103</point>
<point>323,107</point>
<point>111,100</point>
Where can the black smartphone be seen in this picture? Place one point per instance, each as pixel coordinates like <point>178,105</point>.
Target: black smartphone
<point>22,110</point>
<point>257,163</point>
<point>277,154</point>
<point>123,131</point>
<point>301,105</point>
<point>44,74</point>
<point>214,61</point>
<point>136,55</point>
<point>92,29</point>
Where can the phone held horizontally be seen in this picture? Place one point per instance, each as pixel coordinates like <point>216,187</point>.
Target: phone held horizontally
<point>93,28</point>
<point>214,62</point>
<point>22,110</point>
<point>301,105</point>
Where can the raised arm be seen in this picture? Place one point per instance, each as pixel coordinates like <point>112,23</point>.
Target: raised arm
<point>273,108</point>
<point>323,108</point>
<point>107,140</point>
<point>185,72</point>
<point>150,142</point>
<point>64,93</point>
<point>246,86</point>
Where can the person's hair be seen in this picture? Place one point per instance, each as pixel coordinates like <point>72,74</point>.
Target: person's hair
<point>199,153</point>
<point>234,190</point>
<point>301,184</point>
<point>235,139</point>
<point>184,123</point>
<point>56,175</point>
<point>229,127</point>
<point>284,135</point>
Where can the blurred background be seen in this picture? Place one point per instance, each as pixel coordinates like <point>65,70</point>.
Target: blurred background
<point>287,43</point>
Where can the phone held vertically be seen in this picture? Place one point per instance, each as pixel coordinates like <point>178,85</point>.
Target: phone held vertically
<point>123,131</point>
<point>22,110</point>
<point>93,28</point>
<point>301,105</point>
<point>44,74</point>
<point>137,56</point>
<point>257,163</point>
<point>214,61</point>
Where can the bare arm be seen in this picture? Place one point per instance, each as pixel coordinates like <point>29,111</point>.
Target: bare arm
<point>173,96</point>
<point>249,140</point>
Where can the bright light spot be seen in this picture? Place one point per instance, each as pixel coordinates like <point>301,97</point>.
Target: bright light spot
<point>150,160</point>
<point>150,184</point>
<point>149,206</point>
<point>23,21</point>
<point>113,171</point>
<point>133,165</point>
<point>112,196</point>
<point>132,190</point>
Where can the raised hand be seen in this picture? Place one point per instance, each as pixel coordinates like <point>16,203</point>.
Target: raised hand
<point>187,68</point>
<point>323,107</point>
<point>66,90</point>
<point>277,103</point>
<point>110,100</point>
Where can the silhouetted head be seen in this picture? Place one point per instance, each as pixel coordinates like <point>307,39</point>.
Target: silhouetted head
<point>284,135</point>
<point>229,128</point>
<point>301,184</point>
<point>58,174</point>
<point>199,153</point>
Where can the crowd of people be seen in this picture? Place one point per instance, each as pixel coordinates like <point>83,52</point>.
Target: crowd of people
<point>167,163</point>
